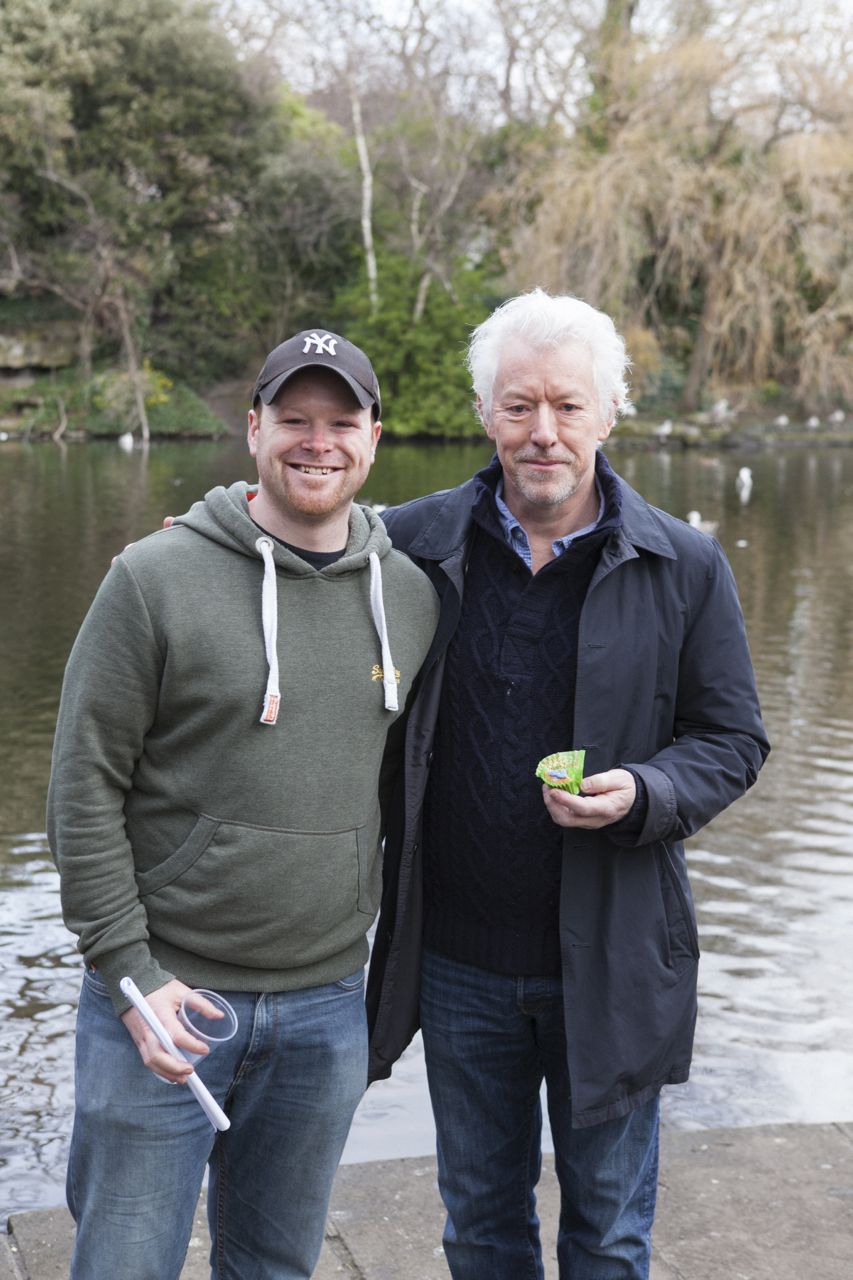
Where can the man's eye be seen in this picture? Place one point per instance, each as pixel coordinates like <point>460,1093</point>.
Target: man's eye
<point>568,407</point>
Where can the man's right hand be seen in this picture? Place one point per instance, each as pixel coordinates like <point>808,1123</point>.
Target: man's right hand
<point>168,521</point>
<point>166,1001</point>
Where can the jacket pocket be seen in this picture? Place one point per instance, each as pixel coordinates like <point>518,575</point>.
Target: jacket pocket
<point>260,897</point>
<point>680,922</point>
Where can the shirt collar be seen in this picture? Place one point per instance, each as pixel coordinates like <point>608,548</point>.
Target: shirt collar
<point>516,537</point>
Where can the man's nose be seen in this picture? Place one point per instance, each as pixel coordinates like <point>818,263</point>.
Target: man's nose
<point>543,432</point>
<point>318,438</point>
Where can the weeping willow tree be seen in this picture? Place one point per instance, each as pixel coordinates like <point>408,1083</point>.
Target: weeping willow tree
<point>705,201</point>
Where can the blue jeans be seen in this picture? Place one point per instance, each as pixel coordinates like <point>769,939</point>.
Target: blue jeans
<point>290,1081</point>
<point>489,1042</point>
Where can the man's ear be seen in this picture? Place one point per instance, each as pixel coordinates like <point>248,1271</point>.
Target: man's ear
<point>609,422</point>
<point>252,432</point>
<point>481,411</point>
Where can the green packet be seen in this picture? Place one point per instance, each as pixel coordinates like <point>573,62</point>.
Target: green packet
<point>563,770</point>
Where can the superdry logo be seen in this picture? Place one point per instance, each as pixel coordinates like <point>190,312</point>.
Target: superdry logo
<point>378,674</point>
<point>320,342</point>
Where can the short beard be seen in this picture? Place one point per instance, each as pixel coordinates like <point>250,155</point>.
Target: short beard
<point>539,494</point>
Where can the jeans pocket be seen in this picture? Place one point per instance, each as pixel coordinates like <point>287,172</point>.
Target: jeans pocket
<point>353,982</point>
<point>96,984</point>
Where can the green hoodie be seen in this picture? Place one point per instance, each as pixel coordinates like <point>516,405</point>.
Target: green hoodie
<point>192,839</point>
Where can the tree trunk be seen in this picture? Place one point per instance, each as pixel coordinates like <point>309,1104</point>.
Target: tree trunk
<point>87,342</point>
<point>59,431</point>
<point>366,202</point>
<point>132,364</point>
<point>703,351</point>
<point>420,301</point>
<point>609,64</point>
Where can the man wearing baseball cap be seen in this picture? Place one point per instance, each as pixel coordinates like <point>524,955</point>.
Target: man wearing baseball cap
<point>214,811</point>
<point>316,349</point>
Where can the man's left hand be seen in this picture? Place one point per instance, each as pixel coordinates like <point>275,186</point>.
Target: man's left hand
<point>606,797</point>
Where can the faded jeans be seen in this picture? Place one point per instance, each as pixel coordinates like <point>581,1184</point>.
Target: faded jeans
<point>289,1081</point>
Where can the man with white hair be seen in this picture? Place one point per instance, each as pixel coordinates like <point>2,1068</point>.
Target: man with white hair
<point>552,936</point>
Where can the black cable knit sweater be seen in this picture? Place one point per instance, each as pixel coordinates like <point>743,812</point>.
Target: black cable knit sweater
<point>492,869</point>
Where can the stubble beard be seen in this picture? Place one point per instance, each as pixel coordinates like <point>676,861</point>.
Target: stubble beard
<point>287,492</point>
<point>549,491</point>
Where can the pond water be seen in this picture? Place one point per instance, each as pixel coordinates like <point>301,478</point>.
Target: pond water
<point>773,877</point>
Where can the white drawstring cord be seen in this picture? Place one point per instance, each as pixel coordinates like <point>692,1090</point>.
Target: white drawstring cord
<point>269,616</point>
<point>377,606</point>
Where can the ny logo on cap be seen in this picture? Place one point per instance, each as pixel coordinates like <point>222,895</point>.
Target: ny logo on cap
<point>320,343</point>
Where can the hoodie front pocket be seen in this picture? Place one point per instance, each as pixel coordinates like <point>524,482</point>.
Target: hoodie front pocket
<point>258,897</point>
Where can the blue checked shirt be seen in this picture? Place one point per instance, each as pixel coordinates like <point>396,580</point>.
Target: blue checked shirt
<point>517,538</point>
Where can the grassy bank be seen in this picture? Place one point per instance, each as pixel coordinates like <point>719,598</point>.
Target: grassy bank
<point>38,406</point>
<point>44,405</point>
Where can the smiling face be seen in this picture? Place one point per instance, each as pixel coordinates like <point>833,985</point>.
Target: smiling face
<point>546,422</point>
<point>313,447</point>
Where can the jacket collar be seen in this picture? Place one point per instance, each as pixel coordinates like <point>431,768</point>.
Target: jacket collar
<point>642,525</point>
<point>449,527</point>
<point>448,530</point>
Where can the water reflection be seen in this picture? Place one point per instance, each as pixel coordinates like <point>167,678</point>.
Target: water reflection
<point>773,878</point>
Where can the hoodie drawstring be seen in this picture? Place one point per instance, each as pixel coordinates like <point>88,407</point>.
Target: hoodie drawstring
<point>377,605</point>
<point>269,615</point>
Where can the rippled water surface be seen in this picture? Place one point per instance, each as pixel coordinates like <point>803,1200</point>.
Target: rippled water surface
<point>773,877</point>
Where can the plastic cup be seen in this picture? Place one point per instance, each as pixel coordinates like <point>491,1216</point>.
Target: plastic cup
<point>213,1031</point>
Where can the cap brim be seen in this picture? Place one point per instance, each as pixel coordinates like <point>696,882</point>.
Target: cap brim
<point>270,390</point>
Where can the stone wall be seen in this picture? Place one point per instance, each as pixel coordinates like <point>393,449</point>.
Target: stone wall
<point>50,345</point>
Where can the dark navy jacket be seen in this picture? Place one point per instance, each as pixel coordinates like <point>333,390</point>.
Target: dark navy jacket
<point>664,684</point>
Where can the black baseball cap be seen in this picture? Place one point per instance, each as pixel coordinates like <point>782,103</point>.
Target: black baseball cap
<point>319,347</point>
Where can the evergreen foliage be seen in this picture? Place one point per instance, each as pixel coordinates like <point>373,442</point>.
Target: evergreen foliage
<point>193,181</point>
<point>424,383</point>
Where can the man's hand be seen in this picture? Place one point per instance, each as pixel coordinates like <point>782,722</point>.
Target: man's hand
<point>166,1001</point>
<point>606,797</point>
<point>168,521</point>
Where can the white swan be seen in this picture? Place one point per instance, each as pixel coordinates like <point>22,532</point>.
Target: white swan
<point>694,518</point>
<point>743,484</point>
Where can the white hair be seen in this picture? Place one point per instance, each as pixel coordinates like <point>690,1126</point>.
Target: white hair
<point>543,320</point>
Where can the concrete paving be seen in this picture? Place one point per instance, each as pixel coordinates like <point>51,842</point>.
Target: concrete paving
<point>771,1203</point>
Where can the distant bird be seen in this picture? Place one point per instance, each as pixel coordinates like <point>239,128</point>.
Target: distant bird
<point>664,430</point>
<point>837,415</point>
<point>782,421</point>
<point>812,422</point>
<point>722,410</point>
<point>704,526</point>
<point>743,484</point>
<point>125,442</point>
<point>4,435</point>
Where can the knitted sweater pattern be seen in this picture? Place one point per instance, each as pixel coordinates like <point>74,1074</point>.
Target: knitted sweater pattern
<point>492,853</point>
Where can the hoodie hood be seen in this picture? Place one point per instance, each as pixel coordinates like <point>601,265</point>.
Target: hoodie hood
<point>224,517</point>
